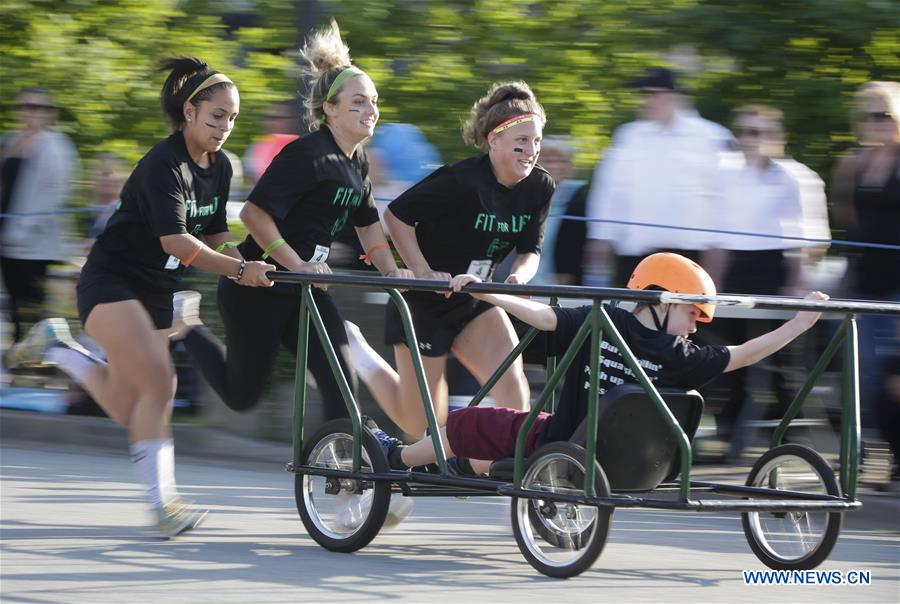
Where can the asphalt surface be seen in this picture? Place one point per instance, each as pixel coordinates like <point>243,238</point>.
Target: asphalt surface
<point>72,522</point>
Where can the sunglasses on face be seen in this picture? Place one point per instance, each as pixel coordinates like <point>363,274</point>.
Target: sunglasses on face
<point>752,132</point>
<point>877,116</point>
<point>33,107</point>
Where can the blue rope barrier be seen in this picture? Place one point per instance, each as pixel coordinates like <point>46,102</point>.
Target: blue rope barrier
<point>883,246</point>
<point>842,242</point>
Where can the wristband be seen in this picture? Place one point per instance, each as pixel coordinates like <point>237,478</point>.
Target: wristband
<point>240,272</point>
<point>367,257</point>
<point>271,247</point>
<point>190,259</point>
<point>227,245</point>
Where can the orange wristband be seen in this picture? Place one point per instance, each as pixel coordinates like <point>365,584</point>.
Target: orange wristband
<point>187,261</point>
<point>367,257</point>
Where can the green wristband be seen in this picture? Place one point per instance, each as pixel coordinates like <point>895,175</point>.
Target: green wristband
<point>228,245</point>
<point>270,247</point>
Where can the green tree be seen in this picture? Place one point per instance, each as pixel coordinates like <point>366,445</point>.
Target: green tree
<point>99,57</point>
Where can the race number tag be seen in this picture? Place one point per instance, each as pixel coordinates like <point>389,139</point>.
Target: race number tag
<point>480,268</point>
<point>320,255</point>
<point>172,263</point>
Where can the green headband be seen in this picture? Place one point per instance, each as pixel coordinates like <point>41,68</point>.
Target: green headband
<point>340,79</point>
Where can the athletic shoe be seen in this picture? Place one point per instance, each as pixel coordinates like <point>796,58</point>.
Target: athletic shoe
<point>388,443</point>
<point>43,336</point>
<point>176,517</point>
<point>397,511</point>
<point>186,306</point>
<point>349,515</point>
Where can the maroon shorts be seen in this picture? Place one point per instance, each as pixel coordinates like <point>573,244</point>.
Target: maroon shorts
<point>490,432</point>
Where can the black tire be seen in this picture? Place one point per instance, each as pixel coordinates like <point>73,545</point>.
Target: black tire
<point>560,539</point>
<point>342,521</point>
<point>792,540</point>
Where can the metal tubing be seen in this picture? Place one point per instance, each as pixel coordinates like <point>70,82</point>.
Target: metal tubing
<point>331,355</point>
<point>590,446</point>
<point>797,403</point>
<point>300,375</point>
<point>413,345</point>
<point>507,362</point>
<point>684,445</point>
<point>571,352</point>
<point>850,428</point>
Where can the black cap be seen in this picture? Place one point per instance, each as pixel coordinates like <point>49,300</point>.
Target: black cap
<point>657,77</point>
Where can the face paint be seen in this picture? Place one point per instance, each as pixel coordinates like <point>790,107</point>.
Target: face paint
<point>518,149</point>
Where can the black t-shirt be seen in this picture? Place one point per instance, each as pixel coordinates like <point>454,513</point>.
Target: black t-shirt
<point>463,215</point>
<point>166,194</point>
<point>567,256</point>
<point>669,361</point>
<point>311,189</point>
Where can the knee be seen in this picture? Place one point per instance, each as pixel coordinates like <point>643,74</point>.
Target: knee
<point>242,398</point>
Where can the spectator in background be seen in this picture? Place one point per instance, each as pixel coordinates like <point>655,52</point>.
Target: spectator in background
<point>865,195</point>
<point>109,176</point>
<point>887,413</point>
<point>282,125</point>
<point>37,165</point>
<point>556,157</point>
<point>761,196</point>
<point>399,156</point>
<point>662,168</point>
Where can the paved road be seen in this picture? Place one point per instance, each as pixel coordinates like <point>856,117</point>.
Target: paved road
<point>70,533</point>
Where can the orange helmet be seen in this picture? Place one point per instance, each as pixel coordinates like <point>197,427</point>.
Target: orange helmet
<point>677,274</point>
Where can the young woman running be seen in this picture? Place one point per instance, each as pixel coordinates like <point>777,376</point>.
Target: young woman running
<point>172,215</point>
<point>310,190</point>
<point>464,219</point>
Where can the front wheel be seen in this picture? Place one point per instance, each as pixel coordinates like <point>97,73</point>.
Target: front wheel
<point>798,540</point>
<point>560,539</point>
<point>342,514</point>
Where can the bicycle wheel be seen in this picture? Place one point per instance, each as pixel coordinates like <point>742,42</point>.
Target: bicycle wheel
<point>792,540</point>
<point>560,539</point>
<point>341,514</point>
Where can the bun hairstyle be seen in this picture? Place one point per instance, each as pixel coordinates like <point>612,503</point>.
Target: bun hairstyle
<point>185,75</point>
<point>503,101</point>
<point>327,56</point>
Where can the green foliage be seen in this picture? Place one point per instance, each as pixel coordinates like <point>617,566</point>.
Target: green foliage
<point>432,58</point>
<point>99,57</point>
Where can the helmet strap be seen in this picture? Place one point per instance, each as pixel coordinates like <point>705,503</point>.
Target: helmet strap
<point>664,324</point>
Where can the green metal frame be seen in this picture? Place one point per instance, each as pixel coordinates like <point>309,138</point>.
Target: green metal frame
<point>597,325</point>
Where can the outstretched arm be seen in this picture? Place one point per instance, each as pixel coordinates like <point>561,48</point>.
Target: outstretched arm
<point>753,351</point>
<point>534,313</point>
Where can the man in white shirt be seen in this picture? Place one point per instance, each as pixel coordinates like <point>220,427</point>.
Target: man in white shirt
<point>778,200</point>
<point>662,169</point>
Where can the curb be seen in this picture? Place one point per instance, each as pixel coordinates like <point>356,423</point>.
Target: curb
<point>102,433</point>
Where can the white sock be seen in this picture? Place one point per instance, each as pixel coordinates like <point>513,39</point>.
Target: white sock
<point>167,488</point>
<point>154,465</point>
<point>366,359</point>
<point>74,363</point>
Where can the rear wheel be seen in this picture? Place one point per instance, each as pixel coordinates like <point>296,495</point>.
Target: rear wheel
<point>560,539</point>
<point>792,540</point>
<point>342,514</point>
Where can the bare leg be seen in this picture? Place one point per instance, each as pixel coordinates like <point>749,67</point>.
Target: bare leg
<point>482,355</point>
<point>137,386</point>
<point>412,411</point>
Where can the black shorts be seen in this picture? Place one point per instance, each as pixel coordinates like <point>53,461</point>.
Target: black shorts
<point>97,285</point>
<point>437,320</point>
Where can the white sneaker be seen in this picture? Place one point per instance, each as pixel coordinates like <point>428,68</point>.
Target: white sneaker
<point>349,515</point>
<point>176,517</point>
<point>397,511</point>
<point>44,335</point>
<point>186,306</point>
